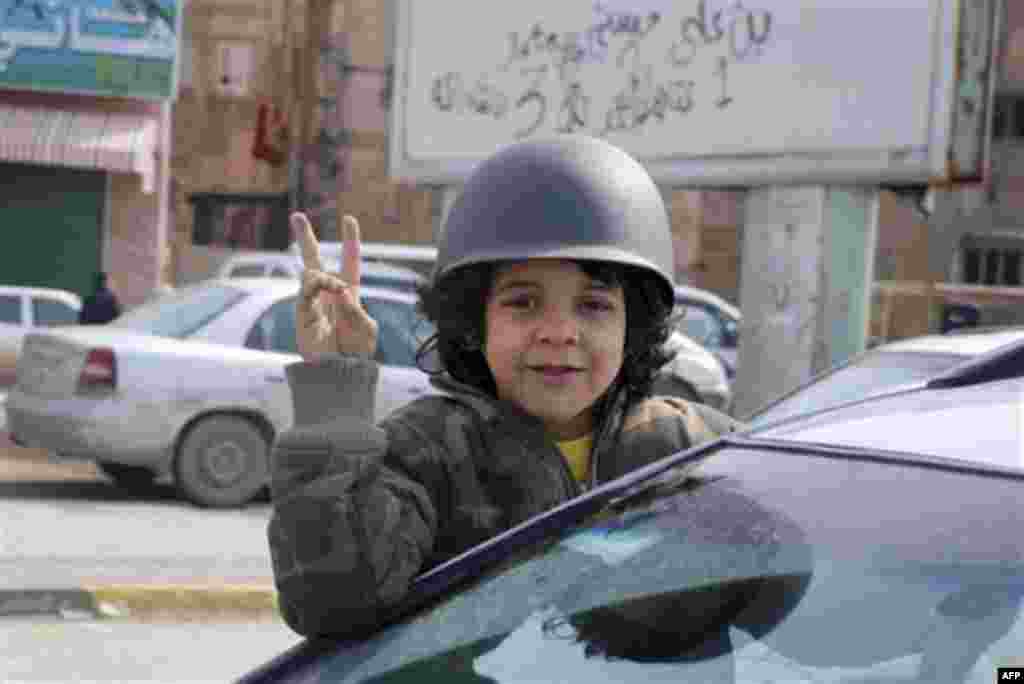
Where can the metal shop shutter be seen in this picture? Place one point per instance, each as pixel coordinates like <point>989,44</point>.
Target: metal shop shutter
<point>51,220</point>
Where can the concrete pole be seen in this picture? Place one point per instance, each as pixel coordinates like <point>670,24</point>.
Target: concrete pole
<point>806,273</point>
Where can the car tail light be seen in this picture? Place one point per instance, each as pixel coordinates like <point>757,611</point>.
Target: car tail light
<point>99,371</point>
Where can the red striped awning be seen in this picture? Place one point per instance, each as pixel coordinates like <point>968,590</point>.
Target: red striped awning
<point>107,141</point>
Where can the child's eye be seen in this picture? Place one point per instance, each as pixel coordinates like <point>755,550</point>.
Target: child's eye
<point>520,302</point>
<point>597,306</point>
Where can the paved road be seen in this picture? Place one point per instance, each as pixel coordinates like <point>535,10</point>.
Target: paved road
<point>65,524</point>
<point>64,532</point>
<point>47,650</point>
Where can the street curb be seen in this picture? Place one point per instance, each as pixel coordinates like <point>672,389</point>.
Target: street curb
<point>142,601</point>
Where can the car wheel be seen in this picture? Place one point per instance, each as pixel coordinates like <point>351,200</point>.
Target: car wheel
<point>671,386</point>
<point>222,462</point>
<point>127,476</point>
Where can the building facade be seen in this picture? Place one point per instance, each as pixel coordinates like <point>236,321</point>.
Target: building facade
<point>286,105</point>
<point>244,57</point>
<point>85,115</point>
<point>983,239</point>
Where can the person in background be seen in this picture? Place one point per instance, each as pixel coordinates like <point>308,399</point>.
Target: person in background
<point>101,306</point>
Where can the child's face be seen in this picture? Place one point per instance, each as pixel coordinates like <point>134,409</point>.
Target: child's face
<point>554,340</point>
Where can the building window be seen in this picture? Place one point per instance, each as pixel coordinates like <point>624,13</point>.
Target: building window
<point>249,221</point>
<point>1008,117</point>
<point>972,265</point>
<point>992,259</point>
<point>1011,267</point>
<point>992,266</point>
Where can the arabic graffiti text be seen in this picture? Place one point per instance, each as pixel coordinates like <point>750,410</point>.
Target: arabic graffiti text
<point>621,71</point>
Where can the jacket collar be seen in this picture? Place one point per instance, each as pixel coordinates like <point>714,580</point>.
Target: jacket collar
<point>493,410</point>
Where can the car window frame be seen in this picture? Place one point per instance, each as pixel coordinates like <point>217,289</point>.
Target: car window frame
<point>37,298</point>
<point>22,309</point>
<point>394,332</point>
<point>386,329</point>
<point>712,314</point>
<point>285,303</point>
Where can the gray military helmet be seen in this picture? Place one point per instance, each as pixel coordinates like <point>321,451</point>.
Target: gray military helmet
<point>568,197</point>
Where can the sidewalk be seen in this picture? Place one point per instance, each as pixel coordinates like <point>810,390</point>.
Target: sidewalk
<point>152,586</point>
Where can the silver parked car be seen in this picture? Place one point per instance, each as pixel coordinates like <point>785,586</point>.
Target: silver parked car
<point>191,385</point>
<point>23,309</point>
<point>711,322</point>
<point>287,265</point>
<point>694,374</point>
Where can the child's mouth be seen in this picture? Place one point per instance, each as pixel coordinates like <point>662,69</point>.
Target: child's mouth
<point>554,372</point>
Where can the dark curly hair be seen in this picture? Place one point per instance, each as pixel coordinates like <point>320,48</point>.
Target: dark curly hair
<point>457,304</point>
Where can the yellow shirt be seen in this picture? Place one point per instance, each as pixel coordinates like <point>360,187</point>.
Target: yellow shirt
<point>576,453</point>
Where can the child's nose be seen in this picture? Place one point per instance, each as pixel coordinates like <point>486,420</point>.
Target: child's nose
<point>558,327</point>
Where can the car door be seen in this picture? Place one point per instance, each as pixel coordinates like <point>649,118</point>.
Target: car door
<point>399,334</point>
<point>274,331</point>
<point>399,381</point>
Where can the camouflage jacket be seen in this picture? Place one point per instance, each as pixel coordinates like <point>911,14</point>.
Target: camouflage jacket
<point>360,509</point>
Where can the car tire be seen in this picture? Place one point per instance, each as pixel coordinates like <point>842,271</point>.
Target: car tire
<point>127,476</point>
<point>222,462</point>
<point>670,386</point>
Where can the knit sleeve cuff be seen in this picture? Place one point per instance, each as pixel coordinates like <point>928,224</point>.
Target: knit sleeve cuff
<point>332,386</point>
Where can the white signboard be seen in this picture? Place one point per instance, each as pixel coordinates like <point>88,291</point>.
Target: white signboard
<point>704,92</point>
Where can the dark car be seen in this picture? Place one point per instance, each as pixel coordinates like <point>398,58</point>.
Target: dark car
<point>879,541</point>
<point>904,363</point>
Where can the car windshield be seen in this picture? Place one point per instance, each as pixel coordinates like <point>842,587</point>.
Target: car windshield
<point>182,313</point>
<point>709,326</point>
<point>870,374</point>
<point>730,573</point>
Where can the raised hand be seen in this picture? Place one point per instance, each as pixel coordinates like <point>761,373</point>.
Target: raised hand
<point>330,317</point>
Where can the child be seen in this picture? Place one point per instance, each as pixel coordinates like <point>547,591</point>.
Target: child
<point>551,296</point>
